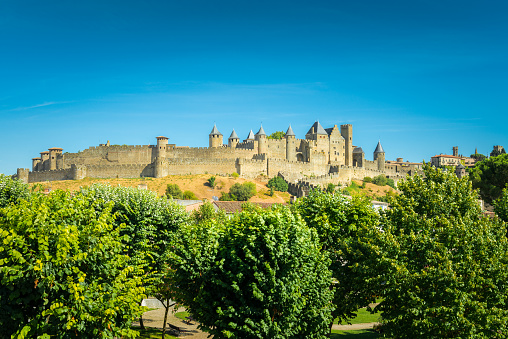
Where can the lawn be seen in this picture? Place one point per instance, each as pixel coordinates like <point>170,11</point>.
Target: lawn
<point>363,316</point>
<point>358,334</point>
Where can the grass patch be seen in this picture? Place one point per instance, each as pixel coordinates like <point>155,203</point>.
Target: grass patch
<point>182,315</point>
<point>357,334</point>
<point>362,317</point>
<point>151,333</point>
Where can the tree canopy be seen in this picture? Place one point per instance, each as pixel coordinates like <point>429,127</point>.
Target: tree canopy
<point>64,272</point>
<point>491,177</point>
<point>448,263</point>
<point>277,135</point>
<point>278,184</point>
<point>260,276</point>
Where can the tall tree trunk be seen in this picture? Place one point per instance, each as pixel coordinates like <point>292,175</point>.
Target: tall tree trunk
<point>166,309</point>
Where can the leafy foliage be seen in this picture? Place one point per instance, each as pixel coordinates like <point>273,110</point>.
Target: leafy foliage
<point>12,190</point>
<point>259,276</point>
<point>478,156</point>
<point>212,181</point>
<point>63,271</point>
<point>240,192</point>
<point>189,195</point>
<point>501,206</point>
<point>330,188</point>
<point>174,191</point>
<point>448,263</point>
<point>346,230</point>
<point>382,180</point>
<point>278,184</point>
<point>277,135</point>
<point>490,176</point>
<point>206,212</point>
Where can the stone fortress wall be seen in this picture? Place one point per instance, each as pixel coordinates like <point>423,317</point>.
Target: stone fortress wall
<point>323,156</point>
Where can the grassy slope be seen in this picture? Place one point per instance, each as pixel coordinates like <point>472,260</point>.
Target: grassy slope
<point>195,183</point>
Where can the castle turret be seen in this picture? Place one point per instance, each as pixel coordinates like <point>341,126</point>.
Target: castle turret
<point>162,144</point>
<point>35,163</point>
<point>261,138</point>
<point>455,151</point>
<point>215,138</point>
<point>22,175</point>
<point>44,166</point>
<point>379,156</point>
<point>54,153</point>
<point>290,145</point>
<point>250,137</point>
<point>347,133</point>
<point>358,157</point>
<point>233,139</point>
<point>460,171</point>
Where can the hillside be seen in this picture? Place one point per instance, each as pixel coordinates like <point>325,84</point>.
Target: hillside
<point>194,183</point>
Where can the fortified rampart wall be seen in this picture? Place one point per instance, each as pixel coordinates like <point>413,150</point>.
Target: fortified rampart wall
<point>210,153</point>
<point>104,155</point>
<point>199,166</point>
<point>120,171</point>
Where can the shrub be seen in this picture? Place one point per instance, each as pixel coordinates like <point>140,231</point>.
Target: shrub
<point>330,188</point>
<point>367,179</point>
<point>235,175</point>
<point>243,192</point>
<point>278,184</point>
<point>174,191</point>
<point>212,182</point>
<point>188,195</point>
<point>12,190</point>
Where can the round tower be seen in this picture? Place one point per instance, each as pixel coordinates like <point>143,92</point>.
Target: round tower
<point>261,138</point>
<point>379,155</point>
<point>162,144</point>
<point>215,138</point>
<point>290,145</point>
<point>347,133</point>
<point>460,171</point>
<point>233,140</point>
<point>35,163</point>
<point>54,153</point>
<point>22,175</point>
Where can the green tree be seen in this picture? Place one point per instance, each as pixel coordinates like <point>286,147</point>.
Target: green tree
<point>12,190</point>
<point>277,135</point>
<point>448,263</point>
<point>147,226</point>
<point>63,271</point>
<point>278,184</point>
<point>212,181</point>
<point>260,276</point>
<point>174,191</point>
<point>347,230</point>
<point>490,176</point>
<point>330,188</point>
<point>242,192</point>
<point>207,212</point>
<point>501,206</point>
<point>189,195</point>
<point>478,157</point>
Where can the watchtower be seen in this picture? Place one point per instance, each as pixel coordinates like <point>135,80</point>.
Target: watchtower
<point>54,153</point>
<point>233,140</point>
<point>215,138</point>
<point>162,144</point>
<point>379,156</point>
<point>44,161</point>
<point>455,151</point>
<point>261,139</point>
<point>35,163</point>
<point>347,133</point>
<point>290,145</point>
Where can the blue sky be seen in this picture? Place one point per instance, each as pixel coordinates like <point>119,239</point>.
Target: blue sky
<point>421,76</point>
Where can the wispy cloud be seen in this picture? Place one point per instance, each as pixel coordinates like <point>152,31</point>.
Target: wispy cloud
<point>39,105</point>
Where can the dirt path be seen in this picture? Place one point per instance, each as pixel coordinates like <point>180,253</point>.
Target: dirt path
<point>364,326</point>
<point>155,319</point>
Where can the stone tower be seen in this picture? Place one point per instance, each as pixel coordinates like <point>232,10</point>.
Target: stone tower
<point>460,171</point>
<point>215,138</point>
<point>379,155</point>
<point>455,151</point>
<point>54,153</point>
<point>290,145</point>
<point>233,140</point>
<point>261,139</point>
<point>162,145</point>
<point>347,133</point>
<point>35,164</point>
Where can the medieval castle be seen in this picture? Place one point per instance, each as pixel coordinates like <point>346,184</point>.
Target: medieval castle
<point>325,155</point>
